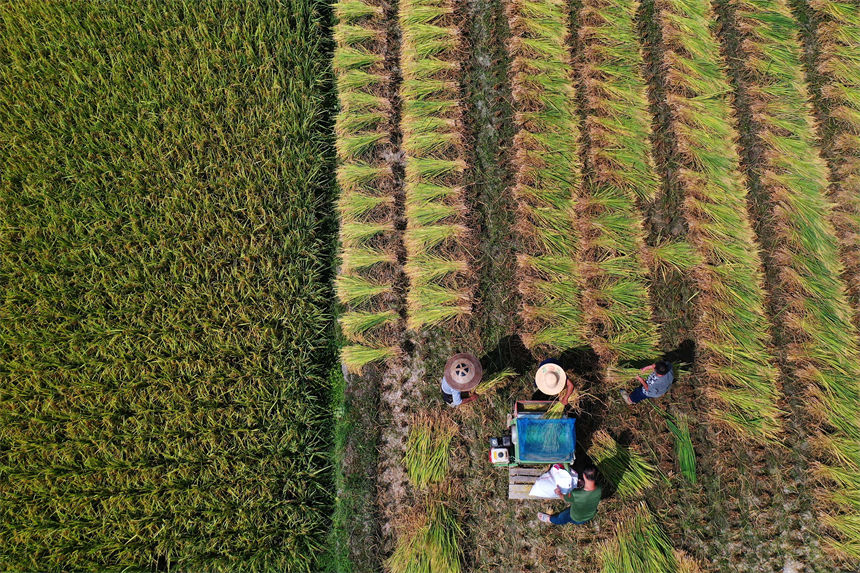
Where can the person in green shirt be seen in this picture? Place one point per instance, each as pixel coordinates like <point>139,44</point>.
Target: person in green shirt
<point>583,502</point>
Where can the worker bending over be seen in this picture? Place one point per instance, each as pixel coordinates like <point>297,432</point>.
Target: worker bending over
<point>583,501</point>
<point>656,385</point>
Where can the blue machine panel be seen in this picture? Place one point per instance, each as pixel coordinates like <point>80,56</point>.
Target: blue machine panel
<point>541,440</point>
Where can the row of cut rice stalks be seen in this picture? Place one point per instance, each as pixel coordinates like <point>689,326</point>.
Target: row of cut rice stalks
<point>615,303</point>
<point>547,173</point>
<point>838,33</point>
<point>641,545</point>
<point>366,206</point>
<point>814,311</point>
<point>428,536</point>
<point>441,283</point>
<point>732,329</point>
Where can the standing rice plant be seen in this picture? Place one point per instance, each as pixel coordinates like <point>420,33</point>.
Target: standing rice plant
<point>428,450</point>
<point>790,194</point>
<point>165,256</point>
<point>621,179</point>
<point>625,469</point>
<point>547,173</point>
<point>428,543</point>
<point>732,330</point>
<point>640,545</point>
<point>433,147</point>
<point>368,240</point>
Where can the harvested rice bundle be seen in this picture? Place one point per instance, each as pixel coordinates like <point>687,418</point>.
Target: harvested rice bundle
<point>429,449</point>
<point>428,543</point>
<point>626,469</point>
<point>641,545</point>
<point>368,240</point>
<point>733,331</point>
<point>547,172</point>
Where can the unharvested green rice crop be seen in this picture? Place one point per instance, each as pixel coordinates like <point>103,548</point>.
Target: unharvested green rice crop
<point>164,325</point>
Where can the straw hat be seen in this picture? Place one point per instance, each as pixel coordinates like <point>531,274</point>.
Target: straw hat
<point>550,379</point>
<point>463,372</point>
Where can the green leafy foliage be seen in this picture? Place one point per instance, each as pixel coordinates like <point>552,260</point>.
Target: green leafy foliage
<point>164,323</point>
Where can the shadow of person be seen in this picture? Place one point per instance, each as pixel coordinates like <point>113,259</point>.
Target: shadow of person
<point>684,354</point>
<point>621,460</point>
<point>510,352</point>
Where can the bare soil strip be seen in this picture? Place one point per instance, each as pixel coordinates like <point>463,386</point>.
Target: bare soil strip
<point>787,193</point>
<point>488,118</point>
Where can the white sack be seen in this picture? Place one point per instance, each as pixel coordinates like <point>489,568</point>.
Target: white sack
<point>556,477</point>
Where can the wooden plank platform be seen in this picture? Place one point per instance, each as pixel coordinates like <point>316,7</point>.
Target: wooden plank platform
<point>521,480</point>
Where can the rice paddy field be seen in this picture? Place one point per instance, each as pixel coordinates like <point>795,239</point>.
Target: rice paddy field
<point>165,326</point>
<point>240,240</point>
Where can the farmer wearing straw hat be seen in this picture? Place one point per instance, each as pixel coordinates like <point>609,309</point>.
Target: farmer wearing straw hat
<point>657,384</point>
<point>551,379</point>
<point>462,373</point>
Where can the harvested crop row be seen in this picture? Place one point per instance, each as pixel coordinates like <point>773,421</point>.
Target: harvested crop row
<point>628,470</point>
<point>789,188</point>
<point>367,236</point>
<point>641,545</point>
<point>838,33</point>
<point>732,330</point>
<point>547,173</point>
<point>437,259</point>
<point>615,296</point>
